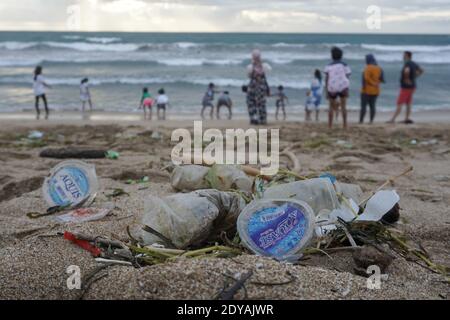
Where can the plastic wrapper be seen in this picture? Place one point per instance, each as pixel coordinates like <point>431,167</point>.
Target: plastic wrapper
<point>221,177</point>
<point>350,191</point>
<point>191,219</point>
<point>189,178</point>
<point>318,193</point>
<point>83,215</point>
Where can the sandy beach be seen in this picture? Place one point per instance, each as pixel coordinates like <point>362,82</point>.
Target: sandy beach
<point>35,259</point>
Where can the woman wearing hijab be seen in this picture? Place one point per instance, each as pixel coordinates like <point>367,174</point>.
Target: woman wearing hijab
<point>371,79</point>
<point>258,89</point>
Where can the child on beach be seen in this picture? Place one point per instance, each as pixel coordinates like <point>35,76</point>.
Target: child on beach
<point>282,99</point>
<point>39,89</point>
<point>146,102</point>
<point>162,102</point>
<point>337,84</point>
<point>225,101</point>
<point>309,105</point>
<point>85,94</point>
<point>316,91</point>
<point>208,100</point>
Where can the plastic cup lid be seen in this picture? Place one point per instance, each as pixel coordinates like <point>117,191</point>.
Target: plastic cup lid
<point>70,183</point>
<point>278,228</point>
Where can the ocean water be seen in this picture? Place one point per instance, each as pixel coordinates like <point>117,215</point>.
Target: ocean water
<point>119,65</point>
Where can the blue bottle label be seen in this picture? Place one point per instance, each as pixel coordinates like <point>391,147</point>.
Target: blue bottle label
<point>278,230</point>
<point>68,186</point>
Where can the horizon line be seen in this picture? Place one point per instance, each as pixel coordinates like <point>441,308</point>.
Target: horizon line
<point>233,32</point>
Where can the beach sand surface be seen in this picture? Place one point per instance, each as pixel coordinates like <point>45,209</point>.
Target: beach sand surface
<point>34,259</point>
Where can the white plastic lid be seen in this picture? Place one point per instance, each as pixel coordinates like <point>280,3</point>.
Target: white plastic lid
<point>71,183</point>
<point>278,228</point>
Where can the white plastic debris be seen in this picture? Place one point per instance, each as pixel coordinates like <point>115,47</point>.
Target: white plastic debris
<point>35,135</point>
<point>380,204</point>
<point>190,218</point>
<point>221,177</point>
<point>189,178</point>
<point>318,193</point>
<point>71,183</point>
<point>83,215</point>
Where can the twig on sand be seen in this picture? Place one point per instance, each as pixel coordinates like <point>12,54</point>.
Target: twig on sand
<point>166,240</point>
<point>386,183</point>
<point>288,153</point>
<point>114,262</point>
<point>233,290</point>
<point>282,283</point>
<point>100,240</point>
<point>91,278</point>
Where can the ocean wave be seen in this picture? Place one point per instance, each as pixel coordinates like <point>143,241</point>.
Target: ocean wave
<point>97,44</point>
<point>401,48</point>
<point>221,82</point>
<point>104,40</point>
<point>288,45</point>
<point>295,60</point>
<point>69,37</point>
<point>84,46</point>
<point>78,46</point>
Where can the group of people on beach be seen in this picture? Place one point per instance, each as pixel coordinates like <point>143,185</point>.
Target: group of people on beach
<point>336,87</point>
<point>147,102</point>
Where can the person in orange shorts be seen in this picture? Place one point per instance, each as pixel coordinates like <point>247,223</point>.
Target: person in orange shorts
<point>410,72</point>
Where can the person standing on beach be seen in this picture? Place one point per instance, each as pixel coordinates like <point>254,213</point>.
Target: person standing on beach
<point>258,89</point>
<point>316,91</point>
<point>85,94</point>
<point>410,72</point>
<point>162,102</point>
<point>39,89</point>
<point>146,102</point>
<point>225,101</point>
<point>208,100</point>
<point>282,99</point>
<point>337,84</point>
<point>372,77</point>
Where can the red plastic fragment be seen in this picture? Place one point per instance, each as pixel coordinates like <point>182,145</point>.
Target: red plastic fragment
<point>83,244</point>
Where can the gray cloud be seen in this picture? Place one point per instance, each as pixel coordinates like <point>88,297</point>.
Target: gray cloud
<point>227,15</point>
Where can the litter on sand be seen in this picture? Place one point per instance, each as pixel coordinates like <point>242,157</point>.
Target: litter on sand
<point>278,228</point>
<point>83,215</point>
<point>71,183</point>
<point>35,135</point>
<point>286,218</point>
<point>73,153</point>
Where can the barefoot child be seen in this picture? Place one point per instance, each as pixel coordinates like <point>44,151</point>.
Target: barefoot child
<point>310,105</point>
<point>337,84</point>
<point>146,102</point>
<point>316,90</point>
<point>225,101</point>
<point>85,94</point>
<point>282,99</point>
<point>208,100</point>
<point>162,102</point>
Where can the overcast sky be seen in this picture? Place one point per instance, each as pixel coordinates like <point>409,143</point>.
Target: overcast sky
<point>397,16</point>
